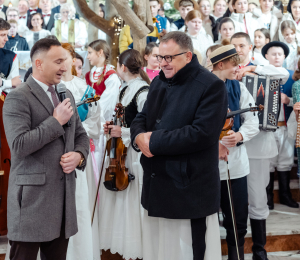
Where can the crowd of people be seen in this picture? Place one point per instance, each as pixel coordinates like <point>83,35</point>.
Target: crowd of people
<point>229,41</point>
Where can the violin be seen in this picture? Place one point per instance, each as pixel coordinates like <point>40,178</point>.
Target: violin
<point>117,177</point>
<point>4,172</point>
<point>89,101</point>
<point>230,118</point>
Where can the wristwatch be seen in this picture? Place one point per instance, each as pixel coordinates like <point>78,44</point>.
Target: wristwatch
<point>82,160</point>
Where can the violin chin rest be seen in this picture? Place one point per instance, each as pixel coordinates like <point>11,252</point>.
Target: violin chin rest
<point>110,186</point>
<point>130,177</point>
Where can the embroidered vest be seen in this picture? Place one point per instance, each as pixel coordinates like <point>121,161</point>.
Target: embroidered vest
<point>131,109</point>
<point>234,94</point>
<point>179,23</point>
<point>7,58</point>
<point>98,87</point>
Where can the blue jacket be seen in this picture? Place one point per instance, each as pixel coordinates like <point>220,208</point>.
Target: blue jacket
<point>287,89</point>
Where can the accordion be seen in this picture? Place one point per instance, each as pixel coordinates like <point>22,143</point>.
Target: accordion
<point>266,92</point>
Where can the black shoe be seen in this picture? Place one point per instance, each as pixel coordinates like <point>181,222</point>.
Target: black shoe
<point>232,253</point>
<point>270,189</point>
<point>285,195</point>
<point>259,239</point>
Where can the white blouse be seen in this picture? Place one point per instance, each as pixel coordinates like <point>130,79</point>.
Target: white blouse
<point>110,95</point>
<point>94,119</point>
<point>133,86</point>
<point>32,37</point>
<point>201,42</point>
<point>258,59</point>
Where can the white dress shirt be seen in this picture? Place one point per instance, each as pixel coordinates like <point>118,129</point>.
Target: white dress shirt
<point>22,25</point>
<point>238,162</point>
<point>45,88</point>
<point>14,72</point>
<point>46,18</point>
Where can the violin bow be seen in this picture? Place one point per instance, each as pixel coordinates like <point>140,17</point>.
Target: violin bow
<point>232,211</point>
<point>99,182</point>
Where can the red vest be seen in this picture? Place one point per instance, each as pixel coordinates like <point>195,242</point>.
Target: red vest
<point>99,88</point>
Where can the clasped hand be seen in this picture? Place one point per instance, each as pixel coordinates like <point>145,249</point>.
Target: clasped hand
<point>231,139</point>
<point>113,130</point>
<point>142,141</point>
<point>69,161</point>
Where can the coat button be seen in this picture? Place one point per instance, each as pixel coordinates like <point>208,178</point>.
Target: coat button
<point>61,178</point>
<point>152,175</point>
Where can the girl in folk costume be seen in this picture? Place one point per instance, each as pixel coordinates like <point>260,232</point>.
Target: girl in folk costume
<point>201,40</point>
<point>268,17</point>
<point>288,30</point>
<point>243,21</point>
<point>219,9</point>
<point>261,38</point>
<point>150,57</point>
<point>226,29</point>
<point>106,83</point>
<point>292,15</point>
<point>120,223</point>
<point>209,22</point>
<point>68,11</point>
<point>81,245</point>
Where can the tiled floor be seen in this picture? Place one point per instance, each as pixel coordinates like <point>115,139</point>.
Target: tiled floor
<point>281,221</point>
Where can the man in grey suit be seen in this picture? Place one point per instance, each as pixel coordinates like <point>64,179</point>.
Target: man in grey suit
<point>44,155</point>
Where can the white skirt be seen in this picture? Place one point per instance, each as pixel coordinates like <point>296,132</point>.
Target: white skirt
<point>81,244</point>
<point>172,238</point>
<point>120,221</point>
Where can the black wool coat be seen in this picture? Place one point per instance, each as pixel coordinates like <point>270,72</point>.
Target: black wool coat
<point>182,180</point>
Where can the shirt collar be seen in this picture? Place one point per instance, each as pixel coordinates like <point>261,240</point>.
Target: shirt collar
<point>46,13</point>
<point>43,85</point>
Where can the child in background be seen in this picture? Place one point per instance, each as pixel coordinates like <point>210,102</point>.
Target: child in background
<point>201,40</point>
<point>261,38</point>
<point>220,7</point>
<point>79,65</point>
<point>183,6</point>
<point>15,41</point>
<point>288,31</point>
<point>226,29</point>
<point>243,21</point>
<point>251,7</point>
<point>150,58</point>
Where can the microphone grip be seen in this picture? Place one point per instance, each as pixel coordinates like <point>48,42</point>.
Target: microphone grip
<point>62,97</point>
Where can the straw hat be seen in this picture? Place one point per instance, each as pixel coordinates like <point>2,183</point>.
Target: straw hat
<point>222,53</point>
<point>177,2</point>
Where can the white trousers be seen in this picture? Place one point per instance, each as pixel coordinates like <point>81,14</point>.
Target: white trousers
<point>285,158</point>
<point>172,238</point>
<point>258,180</point>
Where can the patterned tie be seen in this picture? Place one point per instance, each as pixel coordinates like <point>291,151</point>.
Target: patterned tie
<point>51,89</point>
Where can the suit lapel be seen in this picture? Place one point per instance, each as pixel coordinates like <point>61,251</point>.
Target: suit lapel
<point>51,22</point>
<point>41,95</point>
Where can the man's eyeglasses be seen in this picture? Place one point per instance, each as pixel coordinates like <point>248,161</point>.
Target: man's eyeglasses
<point>168,58</point>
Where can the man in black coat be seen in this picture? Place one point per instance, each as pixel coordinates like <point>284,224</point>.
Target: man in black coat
<point>178,133</point>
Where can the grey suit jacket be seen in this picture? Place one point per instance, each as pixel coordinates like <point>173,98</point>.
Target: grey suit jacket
<point>39,191</point>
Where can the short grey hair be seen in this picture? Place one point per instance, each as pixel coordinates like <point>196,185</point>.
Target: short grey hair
<point>68,7</point>
<point>12,9</point>
<point>182,39</point>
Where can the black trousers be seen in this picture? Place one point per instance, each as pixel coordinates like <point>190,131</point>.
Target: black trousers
<point>198,237</point>
<point>240,204</point>
<point>52,250</point>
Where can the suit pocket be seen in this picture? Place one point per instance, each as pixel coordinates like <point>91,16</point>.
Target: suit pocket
<point>31,179</point>
<point>34,163</point>
<point>177,169</point>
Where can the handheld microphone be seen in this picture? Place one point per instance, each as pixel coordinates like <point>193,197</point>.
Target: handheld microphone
<point>61,91</point>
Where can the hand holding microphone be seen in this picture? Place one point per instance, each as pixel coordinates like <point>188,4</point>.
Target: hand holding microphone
<point>64,111</point>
